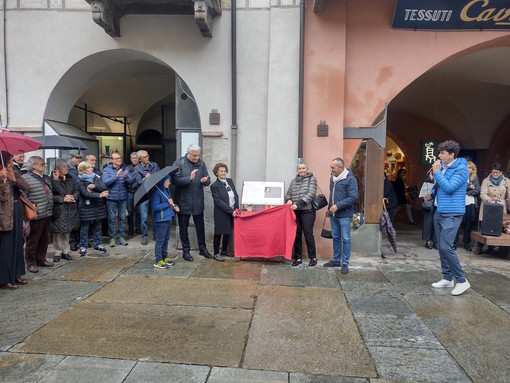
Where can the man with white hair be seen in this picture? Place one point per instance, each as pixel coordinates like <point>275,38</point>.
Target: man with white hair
<point>190,181</point>
<point>143,171</point>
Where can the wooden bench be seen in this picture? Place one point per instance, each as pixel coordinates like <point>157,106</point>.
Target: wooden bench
<point>489,240</point>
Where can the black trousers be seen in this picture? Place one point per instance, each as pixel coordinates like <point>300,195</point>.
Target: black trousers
<point>183,230</point>
<point>224,245</point>
<point>304,220</point>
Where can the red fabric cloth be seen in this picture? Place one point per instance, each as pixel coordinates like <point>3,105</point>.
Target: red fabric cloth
<point>265,233</point>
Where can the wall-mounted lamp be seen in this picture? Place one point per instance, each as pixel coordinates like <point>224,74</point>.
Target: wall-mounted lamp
<point>214,117</point>
<point>322,129</point>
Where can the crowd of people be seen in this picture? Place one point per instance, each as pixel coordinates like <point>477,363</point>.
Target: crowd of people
<point>76,198</point>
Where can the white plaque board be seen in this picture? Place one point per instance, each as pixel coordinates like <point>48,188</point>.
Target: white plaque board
<point>263,193</point>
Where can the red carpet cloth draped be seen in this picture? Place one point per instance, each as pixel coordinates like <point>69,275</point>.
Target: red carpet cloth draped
<point>265,233</point>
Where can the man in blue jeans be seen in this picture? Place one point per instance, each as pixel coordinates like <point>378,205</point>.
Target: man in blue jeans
<point>449,196</point>
<point>343,195</point>
<point>142,171</point>
<point>117,179</point>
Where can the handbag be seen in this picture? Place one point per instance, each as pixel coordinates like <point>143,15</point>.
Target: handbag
<point>319,201</point>
<point>325,233</point>
<point>29,208</point>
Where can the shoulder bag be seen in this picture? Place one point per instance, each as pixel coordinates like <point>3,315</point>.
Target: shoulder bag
<point>319,200</point>
<point>29,208</point>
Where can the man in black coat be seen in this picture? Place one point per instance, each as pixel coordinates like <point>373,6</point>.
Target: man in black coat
<point>189,182</point>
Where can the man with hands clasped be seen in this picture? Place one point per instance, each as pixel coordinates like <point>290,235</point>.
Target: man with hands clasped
<point>117,179</point>
<point>190,181</point>
<point>448,196</point>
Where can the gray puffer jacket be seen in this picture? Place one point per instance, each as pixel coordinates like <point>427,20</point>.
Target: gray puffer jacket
<point>38,194</point>
<point>302,191</point>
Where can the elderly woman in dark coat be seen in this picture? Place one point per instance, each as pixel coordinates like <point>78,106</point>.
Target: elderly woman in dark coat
<point>226,201</point>
<point>301,192</point>
<point>12,262</point>
<point>65,216</point>
<point>91,206</point>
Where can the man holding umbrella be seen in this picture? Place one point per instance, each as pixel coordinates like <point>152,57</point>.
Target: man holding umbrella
<point>190,181</point>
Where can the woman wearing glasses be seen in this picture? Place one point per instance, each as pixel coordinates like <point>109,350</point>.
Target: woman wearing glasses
<point>226,201</point>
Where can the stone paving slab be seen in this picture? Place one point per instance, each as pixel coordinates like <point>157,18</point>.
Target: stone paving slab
<point>479,342</point>
<point>396,331</point>
<point>18,368</point>
<point>236,375</point>
<point>85,370</point>
<point>298,276</point>
<point>31,306</point>
<point>491,285</point>
<point>361,273</point>
<point>232,268</point>
<point>186,292</point>
<point>181,269</point>
<point>375,298</point>
<point>167,372</point>
<point>308,330</point>
<point>89,269</point>
<point>302,378</point>
<point>196,335</point>
<point>417,365</point>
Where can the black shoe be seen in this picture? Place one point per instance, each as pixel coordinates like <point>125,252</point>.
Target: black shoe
<point>130,232</point>
<point>428,246</point>
<point>218,257</point>
<point>56,258</point>
<point>89,245</point>
<point>345,269</point>
<point>332,264</point>
<point>100,248</point>
<point>467,247</point>
<point>434,245</point>
<point>296,262</point>
<point>412,223</point>
<point>67,257</point>
<point>138,230</point>
<point>205,253</point>
<point>226,253</point>
<point>312,262</point>
<point>187,256</point>
<point>73,247</point>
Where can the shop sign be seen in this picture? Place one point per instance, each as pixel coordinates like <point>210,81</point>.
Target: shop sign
<point>452,14</point>
<point>429,152</point>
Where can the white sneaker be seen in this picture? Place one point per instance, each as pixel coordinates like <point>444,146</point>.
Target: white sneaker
<point>460,288</point>
<point>442,283</point>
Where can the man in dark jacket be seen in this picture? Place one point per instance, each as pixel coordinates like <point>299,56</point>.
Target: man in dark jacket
<point>75,158</point>
<point>117,179</point>
<point>343,188</point>
<point>136,222</point>
<point>142,171</point>
<point>189,182</point>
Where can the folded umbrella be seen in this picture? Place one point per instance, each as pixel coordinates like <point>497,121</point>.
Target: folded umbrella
<point>387,227</point>
<point>149,185</point>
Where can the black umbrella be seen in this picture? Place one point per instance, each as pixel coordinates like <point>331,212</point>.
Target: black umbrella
<point>61,142</point>
<point>146,188</point>
<point>387,227</point>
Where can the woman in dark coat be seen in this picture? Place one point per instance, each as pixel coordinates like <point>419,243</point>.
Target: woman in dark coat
<point>226,201</point>
<point>91,206</point>
<point>12,261</point>
<point>65,216</point>
<point>427,231</point>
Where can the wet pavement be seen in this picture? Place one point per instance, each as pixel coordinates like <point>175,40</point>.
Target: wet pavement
<point>114,318</point>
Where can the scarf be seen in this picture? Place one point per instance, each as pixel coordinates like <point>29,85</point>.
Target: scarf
<point>496,181</point>
<point>341,176</point>
<point>87,177</point>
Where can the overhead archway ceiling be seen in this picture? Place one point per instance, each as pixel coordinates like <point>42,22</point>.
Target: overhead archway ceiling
<point>468,96</point>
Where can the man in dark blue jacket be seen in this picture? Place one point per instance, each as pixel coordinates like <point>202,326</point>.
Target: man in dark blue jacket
<point>117,179</point>
<point>189,183</point>
<point>142,171</point>
<point>449,196</point>
<point>343,195</point>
